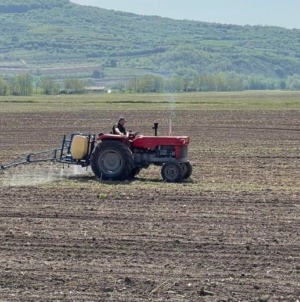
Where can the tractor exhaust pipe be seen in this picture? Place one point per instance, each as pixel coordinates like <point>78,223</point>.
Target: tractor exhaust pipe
<point>155,127</point>
<point>170,127</point>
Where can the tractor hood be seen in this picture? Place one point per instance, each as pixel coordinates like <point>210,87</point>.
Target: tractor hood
<point>151,142</point>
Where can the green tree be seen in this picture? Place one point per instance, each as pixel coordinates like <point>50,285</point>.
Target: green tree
<point>293,82</point>
<point>90,82</point>
<point>97,74</point>
<point>131,85</point>
<point>282,85</point>
<point>150,83</point>
<point>49,86</point>
<point>113,63</point>
<point>256,83</point>
<point>235,82</point>
<point>25,83</point>
<point>3,86</point>
<point>204,83</point>
<point>74,85</point>
<point>20,85</point>
<point>13,86</point>
<point>176,84</point>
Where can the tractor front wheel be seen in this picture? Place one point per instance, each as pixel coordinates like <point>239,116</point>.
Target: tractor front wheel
<point>172,172</point>
<point>112,160</point>
<point>187,170</point>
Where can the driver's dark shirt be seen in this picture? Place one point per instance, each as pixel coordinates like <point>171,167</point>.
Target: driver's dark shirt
<point>120,127</point>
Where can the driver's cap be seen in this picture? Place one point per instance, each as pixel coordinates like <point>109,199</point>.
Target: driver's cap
<point>122,119</point>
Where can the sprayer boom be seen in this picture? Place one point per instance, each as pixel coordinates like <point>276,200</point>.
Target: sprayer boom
<point>59,155</point>
<point>49,155</point>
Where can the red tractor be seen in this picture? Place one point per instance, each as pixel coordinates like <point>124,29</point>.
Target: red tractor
<point>118,157</point>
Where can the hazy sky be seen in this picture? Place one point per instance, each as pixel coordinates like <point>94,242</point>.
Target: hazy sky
<point>284,13</point>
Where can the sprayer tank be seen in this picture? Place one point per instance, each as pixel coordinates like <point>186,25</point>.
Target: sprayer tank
<point>79,147</point>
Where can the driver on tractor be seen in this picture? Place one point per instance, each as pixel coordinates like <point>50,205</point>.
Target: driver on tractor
<point>119,128</point>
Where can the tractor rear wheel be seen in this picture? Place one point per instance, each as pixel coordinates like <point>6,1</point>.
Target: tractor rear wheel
<point>187,170</point>
<point>172,172</point>
<point>112,160</point>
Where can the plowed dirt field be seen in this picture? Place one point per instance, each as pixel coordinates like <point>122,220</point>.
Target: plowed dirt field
<point>230,233</point>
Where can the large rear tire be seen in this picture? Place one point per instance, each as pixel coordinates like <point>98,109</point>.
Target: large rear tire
<point>112,160</point>
<point>172,172</point>
<point>187,170</point>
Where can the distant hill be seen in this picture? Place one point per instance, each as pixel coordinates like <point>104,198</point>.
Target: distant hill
<point>57,32</point>
<point>18,6</point>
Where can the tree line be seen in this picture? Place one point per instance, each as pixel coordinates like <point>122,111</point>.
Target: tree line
<point>208,82</point>
<point>25,84</point>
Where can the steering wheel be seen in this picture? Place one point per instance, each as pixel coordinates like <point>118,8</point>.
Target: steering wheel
<point>133,134</point>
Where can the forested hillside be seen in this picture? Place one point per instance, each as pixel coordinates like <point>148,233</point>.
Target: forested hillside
<point>18,6</point>
<point>57,31</point>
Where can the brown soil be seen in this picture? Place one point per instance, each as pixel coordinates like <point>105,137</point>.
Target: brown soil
<point>231,233</point>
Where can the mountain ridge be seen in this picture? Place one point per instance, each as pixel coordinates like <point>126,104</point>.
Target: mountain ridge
<point>18,6</point>
<point>58,31</point>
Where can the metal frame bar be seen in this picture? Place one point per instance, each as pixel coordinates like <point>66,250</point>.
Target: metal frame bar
<point>64,157</point>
